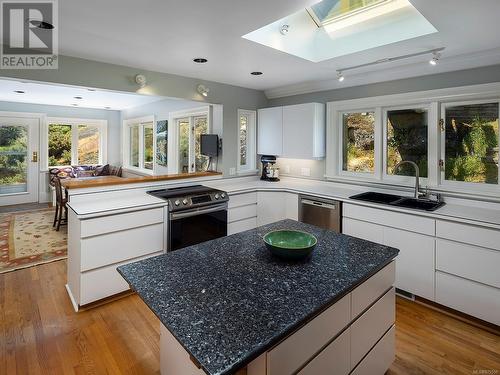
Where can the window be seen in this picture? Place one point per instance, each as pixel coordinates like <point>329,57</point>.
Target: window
<point>189,125</point>
<point>471,142</point>
<point>407,139</point>
<point>358,136</point>
<point>76,142</point>
<point>246,140</point>
<point>162,143</point>
<point>140,144</point>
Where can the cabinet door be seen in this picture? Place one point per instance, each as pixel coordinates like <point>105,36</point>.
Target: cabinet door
<point>271,207</point>
<point>304,131</point>
<point>363,230</point>
<point>270,131</point>
<point>415,263</point>
<point>292,206</point>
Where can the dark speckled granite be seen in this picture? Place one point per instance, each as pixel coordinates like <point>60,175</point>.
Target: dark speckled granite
<point>228,300</point>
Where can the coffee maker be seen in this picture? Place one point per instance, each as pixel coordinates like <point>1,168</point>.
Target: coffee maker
<point>269,170</point>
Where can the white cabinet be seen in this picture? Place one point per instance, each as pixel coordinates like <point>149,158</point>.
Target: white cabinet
<point>296,131</point>
<point>270,131</point>
<point>415,264</point>
<point>276,206</point>
<point>304,131</point>
<point>242,212</point>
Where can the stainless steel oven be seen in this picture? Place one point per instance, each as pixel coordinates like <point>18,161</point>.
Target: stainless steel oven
<point>195,214</point>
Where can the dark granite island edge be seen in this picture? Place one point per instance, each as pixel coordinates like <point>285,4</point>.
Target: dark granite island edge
<point>333,251</point>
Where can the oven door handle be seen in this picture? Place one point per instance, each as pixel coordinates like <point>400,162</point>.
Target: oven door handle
<point>199,211</point>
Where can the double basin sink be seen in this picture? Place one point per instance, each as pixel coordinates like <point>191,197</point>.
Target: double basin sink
<point>398,201</point>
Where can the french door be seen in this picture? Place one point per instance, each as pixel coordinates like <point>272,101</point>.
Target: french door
<point>19,155</point>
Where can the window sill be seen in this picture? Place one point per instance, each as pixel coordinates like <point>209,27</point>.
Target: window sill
<point>138,171</point>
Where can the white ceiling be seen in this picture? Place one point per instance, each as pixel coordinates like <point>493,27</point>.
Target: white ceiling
<point>41,93</point>
<point>164,35</point>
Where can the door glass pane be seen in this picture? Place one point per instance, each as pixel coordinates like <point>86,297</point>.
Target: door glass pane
<point>359,142</point>
<point>471,143</point>
<point>59,145</point>
<point>162,143</point>
<point>200,127</point>
<point>183,125</point>
<point>88,144</point>
<point>407,140</point>
<point>134,146</point>
<point>148,146</point>
<point>243,140</point>
<point>13,159</point>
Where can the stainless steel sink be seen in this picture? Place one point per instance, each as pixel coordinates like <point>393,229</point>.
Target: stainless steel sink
<point>399,201</point>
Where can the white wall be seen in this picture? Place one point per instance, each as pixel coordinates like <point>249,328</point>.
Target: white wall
<point>114,132</point>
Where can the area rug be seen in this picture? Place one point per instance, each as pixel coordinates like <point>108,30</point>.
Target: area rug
<point>28,239</point>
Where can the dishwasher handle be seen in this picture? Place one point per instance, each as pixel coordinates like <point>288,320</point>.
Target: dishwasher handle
<point>331,206</point>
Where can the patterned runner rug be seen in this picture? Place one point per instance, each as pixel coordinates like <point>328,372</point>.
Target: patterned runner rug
<point>28,239</point>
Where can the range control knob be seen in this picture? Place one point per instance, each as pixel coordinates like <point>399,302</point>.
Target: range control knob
<point>184,201</point>
<point>223,195</point>
<point>177,202</point>
<point>217,196</point>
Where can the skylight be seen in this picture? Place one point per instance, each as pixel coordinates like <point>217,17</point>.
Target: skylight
<point>333,28</point>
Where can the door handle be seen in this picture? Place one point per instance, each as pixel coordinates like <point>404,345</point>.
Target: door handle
<point>34,157</point>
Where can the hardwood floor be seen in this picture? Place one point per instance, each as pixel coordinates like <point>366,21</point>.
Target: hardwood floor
<point>41,334</point>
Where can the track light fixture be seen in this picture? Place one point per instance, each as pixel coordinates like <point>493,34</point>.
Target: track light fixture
<point>340,76</point>
<point>202,90</point>
<point>140,80</point>
<point>284,29</point>
<point>435,58</point>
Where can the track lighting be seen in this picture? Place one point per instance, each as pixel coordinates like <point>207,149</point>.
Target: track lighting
<point>203,90</point>
<point>435,58</point>
<point>140,80</point>
<point>340,76</point>
<point>284,29</point>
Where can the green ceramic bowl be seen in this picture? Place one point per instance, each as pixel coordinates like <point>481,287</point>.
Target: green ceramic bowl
<point>290,244</point>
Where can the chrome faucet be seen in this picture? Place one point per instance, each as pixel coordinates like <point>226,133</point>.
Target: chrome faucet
<point>417,193</point>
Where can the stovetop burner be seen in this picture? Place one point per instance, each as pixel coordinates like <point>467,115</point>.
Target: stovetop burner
<point>187,197</point>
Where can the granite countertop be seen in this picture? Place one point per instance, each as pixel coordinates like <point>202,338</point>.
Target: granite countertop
<point>228,300</point>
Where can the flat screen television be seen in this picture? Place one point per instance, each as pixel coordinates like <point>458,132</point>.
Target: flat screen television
<point>209,145</point>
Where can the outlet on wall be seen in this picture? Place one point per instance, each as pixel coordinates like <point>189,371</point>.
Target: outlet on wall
<point>305,172</point>
<point>232,171</point>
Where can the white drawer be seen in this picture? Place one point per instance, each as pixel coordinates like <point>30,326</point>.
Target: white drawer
<point>363,230</point>
<point>469,234</point>
<point>301,346</point>
<point>114,223</point>
<point>380,358</point>
<point>116,247</point>
<point>103,282</point>
<point>333,360</point>
<point>242,225</point>
<point>242,212</point>
<point>238,200</point>
<point>371,326</point>
<point>399,220</point>
<point>371,290</point>
<point>471,262</point>
<point>479,300</point>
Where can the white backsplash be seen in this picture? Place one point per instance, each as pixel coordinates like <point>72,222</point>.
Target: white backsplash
<point>313,169</point>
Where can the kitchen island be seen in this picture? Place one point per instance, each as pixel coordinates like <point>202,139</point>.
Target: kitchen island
<point>227,305</point>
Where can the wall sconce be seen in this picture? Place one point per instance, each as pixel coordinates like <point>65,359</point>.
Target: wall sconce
<point>202,90</point>
<point>140,80</point>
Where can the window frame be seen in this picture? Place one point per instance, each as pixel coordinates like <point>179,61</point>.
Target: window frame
<point>250,167</point>
<point>102,125</point>
<point>173,140</point>
<point>468,186</point>
<point>405,180</point>
<point>141,123</point>
<point>436,100</point>
<point>376,151</point>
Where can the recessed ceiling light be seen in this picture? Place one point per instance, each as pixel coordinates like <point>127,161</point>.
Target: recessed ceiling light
<point>78,97</point>
<point>256,73</point>
<point>200,60</point>
<point>91,90</point>
<point>41,24</point>
<point>74,105</point>
<point>19,91</point>
<point>107,107</point>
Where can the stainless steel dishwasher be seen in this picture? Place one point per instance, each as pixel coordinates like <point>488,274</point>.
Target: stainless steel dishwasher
<point>324,213</point>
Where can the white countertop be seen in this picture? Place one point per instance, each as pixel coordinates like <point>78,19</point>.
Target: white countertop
<point>107,203</point>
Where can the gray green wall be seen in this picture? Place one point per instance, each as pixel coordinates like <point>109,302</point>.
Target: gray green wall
<point>80,72</point>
